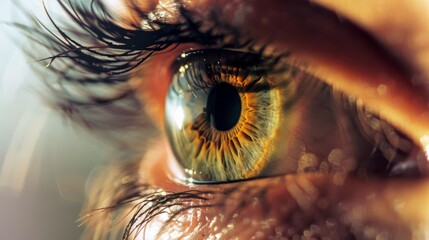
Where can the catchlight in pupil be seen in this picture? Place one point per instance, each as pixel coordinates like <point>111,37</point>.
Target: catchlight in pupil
<point>223,107</point>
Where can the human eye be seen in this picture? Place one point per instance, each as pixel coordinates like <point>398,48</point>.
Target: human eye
<point>233,116</point>
<point>315,132</point>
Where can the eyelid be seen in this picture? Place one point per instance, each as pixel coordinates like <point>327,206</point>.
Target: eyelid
<point>337,51</point>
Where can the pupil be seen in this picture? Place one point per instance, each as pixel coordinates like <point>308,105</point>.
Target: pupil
<point>223,107</point>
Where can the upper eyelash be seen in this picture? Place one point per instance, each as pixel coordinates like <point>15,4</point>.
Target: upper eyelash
<point>93,52</point>
<point>102,52</point>
<point>216,61</point>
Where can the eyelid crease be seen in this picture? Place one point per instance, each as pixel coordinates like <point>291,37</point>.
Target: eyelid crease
<point>410,41</point>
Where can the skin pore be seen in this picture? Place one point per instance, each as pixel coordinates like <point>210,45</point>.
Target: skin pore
<point>376,58</point>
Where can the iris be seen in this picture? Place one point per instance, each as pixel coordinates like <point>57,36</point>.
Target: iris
<point>222,116</point>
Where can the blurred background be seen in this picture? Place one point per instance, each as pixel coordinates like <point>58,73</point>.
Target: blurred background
<point>44,161</point>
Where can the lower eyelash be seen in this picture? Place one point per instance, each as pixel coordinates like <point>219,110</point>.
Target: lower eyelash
<point>121,206</point>
<point>132,204</point>
<point>149,207</point>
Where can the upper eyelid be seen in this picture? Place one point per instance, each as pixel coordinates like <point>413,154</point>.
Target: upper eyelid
<point>339,52</point>
<point>364,68</point>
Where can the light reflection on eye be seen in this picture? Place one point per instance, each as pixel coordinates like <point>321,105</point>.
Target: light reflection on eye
<point>179,115</point>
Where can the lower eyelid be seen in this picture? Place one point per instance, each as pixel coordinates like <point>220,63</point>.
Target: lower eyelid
<point>319,194</point>
<point>156,168</point>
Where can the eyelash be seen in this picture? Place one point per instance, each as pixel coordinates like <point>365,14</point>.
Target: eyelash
<point>208,64</point>
<point>140,203</point>
<point>126,198</point>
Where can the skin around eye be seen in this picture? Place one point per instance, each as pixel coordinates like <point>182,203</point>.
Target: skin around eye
<point>294,206</point>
